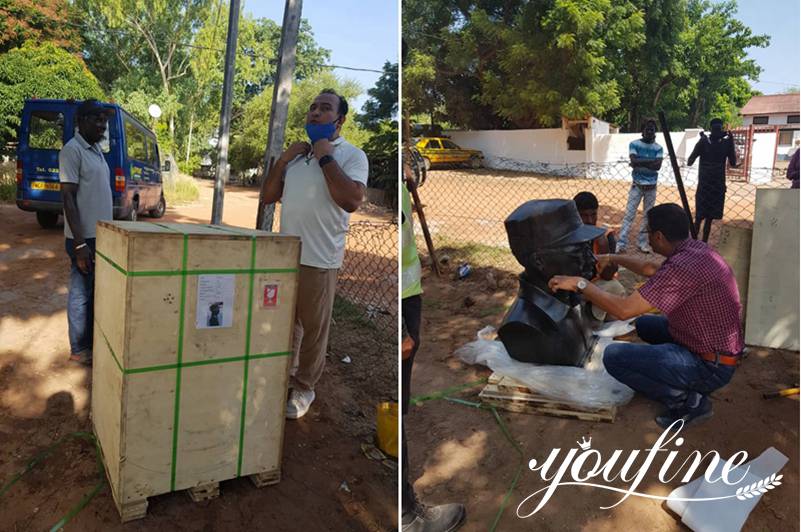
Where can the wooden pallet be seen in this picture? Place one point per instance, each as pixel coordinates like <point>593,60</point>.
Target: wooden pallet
<point>267,478</point>
<point>133,510</point>
<point>204,492</point>
<point>509,394</point>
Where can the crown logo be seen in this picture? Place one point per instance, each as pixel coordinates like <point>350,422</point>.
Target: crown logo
<point>585,443</point>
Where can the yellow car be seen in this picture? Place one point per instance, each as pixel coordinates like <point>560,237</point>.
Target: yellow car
<point>438,150</point>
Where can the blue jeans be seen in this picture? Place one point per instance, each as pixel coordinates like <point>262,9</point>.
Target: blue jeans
<point>80,302</point>
<point>663,370</point>
<point>637,195</point>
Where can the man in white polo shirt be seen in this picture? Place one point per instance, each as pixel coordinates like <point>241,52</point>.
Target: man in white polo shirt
<point>319,183</point>
<point>86,194</point>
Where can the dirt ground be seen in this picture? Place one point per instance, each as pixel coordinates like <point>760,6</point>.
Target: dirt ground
<point>327,483</point>
<point>459,454</point>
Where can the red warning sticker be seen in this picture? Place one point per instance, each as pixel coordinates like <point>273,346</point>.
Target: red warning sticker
<point>270,296</point>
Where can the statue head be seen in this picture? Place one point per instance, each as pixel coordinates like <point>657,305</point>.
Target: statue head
<point>548,238</point>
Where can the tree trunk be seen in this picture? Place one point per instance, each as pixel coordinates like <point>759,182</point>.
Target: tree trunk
<point>189,141</point>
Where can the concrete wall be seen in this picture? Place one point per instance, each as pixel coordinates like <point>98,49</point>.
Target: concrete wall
<point>545,151</point>
<point>521,149</point>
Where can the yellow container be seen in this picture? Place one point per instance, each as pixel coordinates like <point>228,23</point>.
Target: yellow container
<point>387,424</point>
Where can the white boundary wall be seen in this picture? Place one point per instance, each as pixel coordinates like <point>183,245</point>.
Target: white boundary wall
<point>545,151</point>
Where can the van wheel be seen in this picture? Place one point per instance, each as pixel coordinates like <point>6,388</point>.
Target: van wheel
<point>48,220</point>
<point>158,212</point>
<point>133,215</point>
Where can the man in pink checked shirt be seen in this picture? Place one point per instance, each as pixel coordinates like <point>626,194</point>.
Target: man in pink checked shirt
<point>691,349</point>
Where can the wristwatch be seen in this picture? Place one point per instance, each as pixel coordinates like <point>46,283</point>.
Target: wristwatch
<point>581,285</point>
<point>325,159</point>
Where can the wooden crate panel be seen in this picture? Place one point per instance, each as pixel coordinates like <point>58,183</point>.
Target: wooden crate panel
<point>208,440</point>
<point>147,451</point>
<point>107,407</point>
<point>110,309</point>
<point>264,414</point>
<point>270,323</point>
<point>222,251</point>
<point>153,321</point>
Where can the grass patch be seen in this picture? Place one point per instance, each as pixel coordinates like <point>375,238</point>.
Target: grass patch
<point>493,310</point>
<point>474,253</point>
<point>344,310</point>
<point>8,181</point>
<point>184,190</point>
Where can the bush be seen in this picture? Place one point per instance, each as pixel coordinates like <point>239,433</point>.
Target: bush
<point>184,190</point>
<point>8,182</point>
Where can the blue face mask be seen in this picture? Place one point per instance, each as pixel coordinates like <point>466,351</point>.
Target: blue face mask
<point>320,131</point>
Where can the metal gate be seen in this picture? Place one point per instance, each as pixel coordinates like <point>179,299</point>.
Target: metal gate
<point>743,144</point>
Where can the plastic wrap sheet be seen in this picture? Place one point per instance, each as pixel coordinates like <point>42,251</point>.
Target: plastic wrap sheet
<point>590,386</point>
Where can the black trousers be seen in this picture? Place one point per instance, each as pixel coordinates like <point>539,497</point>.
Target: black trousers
<point>411,312</point>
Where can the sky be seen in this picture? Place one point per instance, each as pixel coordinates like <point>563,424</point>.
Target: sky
<point>779,61</point>
<point>359,33</point>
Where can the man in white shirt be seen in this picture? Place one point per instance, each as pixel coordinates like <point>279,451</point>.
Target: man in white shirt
<point>86,194</point>
<point>319,183</point>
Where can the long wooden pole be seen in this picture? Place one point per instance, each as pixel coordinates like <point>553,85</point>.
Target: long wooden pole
<point>279,110</point>
<point>677,174</point>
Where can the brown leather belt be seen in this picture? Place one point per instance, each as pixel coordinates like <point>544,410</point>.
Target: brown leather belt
<point>726,360</point>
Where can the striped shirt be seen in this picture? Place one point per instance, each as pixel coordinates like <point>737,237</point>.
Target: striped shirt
<point>645,150</point>
<point>696,290</point>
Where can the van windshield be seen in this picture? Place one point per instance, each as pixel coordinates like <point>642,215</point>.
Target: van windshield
<point>46,130</point>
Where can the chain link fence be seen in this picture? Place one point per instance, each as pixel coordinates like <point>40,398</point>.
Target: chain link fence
<point>465,209</point>
<point>367,285</point>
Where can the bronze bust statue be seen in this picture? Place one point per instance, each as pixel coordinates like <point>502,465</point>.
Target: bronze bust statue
<point>548,238</point>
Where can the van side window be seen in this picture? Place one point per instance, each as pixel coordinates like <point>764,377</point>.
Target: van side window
<point>46,130</point>
<point>135,141</point>
<point>153,152</point>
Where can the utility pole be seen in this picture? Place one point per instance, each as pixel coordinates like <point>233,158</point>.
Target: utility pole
<point>280,106</point>
<point>225,113</point>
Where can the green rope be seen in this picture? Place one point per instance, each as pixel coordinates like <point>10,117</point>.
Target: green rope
<point>43,455</point>
<point>444,395</point>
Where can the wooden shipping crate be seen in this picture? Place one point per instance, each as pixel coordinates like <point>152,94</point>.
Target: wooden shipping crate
<point>185,395</point>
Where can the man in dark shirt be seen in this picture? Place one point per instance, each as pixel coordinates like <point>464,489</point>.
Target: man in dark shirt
<point>713,150</point>
<point>694,346</point>
<point>793,168</point>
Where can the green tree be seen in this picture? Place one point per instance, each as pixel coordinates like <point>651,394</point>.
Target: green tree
<point>39,71</point>
<point>155,38</point>
<point>258,44</point>
<point>383,102</point>
<point>379,117</point>
<point>249,130</point>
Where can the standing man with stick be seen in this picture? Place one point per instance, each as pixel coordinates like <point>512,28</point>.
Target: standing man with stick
<point>713,150</point>
<point>319,183</point>
<point>645,157</point>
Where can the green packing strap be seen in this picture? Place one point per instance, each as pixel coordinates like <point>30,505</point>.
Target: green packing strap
<point>43,455</point>
<point>445,395</point>
<point>447,391</point>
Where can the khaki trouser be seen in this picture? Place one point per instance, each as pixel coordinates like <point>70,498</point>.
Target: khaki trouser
<point>316,287</point>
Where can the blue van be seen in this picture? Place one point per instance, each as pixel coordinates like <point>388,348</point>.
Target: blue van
<point>129,146</point>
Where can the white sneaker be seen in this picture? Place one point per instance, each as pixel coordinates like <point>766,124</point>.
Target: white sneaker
<point>620,248</point>
<point>645,248</point>
<point>298,403</point>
